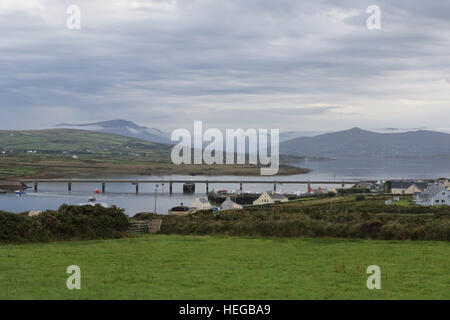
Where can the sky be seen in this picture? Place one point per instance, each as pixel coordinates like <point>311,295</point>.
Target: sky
<point>287,64</point>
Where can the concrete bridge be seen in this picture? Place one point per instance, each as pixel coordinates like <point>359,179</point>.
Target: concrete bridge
<point>137,182</point>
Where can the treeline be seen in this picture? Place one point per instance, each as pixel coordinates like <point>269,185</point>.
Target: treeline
<point>66,223</point>
<point>315,221</point>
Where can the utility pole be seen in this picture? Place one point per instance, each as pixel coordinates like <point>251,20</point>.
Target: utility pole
<point>156,195</point>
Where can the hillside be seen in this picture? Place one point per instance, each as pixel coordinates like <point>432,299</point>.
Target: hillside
<point>123,128</point>
<point>70,141</point>
<point>360,143</point>
<point>57,153</point>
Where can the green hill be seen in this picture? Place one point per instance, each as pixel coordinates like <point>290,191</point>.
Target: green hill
<point>58,153</point>
<point>70,142</point>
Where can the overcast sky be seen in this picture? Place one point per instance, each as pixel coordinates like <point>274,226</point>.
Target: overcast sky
<point>288,64</point>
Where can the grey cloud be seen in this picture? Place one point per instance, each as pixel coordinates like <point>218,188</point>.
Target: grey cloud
<point>233,57</point>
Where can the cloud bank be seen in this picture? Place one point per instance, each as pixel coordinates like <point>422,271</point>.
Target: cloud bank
<point>289,64</point>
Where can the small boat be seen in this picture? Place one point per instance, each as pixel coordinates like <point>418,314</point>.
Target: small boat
<point>20,192</point>
<point>92,199</point>
<point>96,191</point>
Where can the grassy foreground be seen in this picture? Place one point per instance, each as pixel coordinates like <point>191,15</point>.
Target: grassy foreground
<point>187,267</point>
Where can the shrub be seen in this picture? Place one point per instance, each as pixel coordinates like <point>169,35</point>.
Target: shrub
<point>315,221</point>
<point>68,222</point>
<point>360,198</point>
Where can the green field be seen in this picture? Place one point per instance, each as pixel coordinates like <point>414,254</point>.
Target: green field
<point>188,267</point>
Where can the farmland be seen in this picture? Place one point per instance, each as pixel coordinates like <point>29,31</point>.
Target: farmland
<point>214,267</point>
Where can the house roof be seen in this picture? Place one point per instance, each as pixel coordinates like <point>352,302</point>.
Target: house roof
<point>228,201</point>
<point>276,196</point>
<point>431,191</point>
<point>203,200</point>
<point>405,184</point>
<point>364,184</point>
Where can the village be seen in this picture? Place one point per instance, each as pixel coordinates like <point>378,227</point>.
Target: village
<point>423,193</point>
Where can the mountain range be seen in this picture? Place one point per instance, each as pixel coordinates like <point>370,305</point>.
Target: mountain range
<point>354,142</point>
<point>357,142</point>
<point>123,128</point>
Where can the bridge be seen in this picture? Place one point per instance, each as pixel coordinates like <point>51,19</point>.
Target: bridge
<point>170,182</point>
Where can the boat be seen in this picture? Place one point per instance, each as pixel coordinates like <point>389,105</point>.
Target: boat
<point>92,199</point>
<point>20,192</point>
<point>96,191</point>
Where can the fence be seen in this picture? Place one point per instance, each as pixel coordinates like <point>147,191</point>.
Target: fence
<point>151,226</point>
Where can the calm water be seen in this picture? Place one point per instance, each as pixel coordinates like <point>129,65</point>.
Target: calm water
<point>52,195</point>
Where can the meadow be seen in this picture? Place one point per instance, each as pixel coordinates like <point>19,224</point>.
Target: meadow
<point>216,267</point>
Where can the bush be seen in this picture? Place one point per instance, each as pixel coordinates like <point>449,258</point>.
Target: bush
<point>360,198</point>
<point>317,220</point>
<point>68,222</point>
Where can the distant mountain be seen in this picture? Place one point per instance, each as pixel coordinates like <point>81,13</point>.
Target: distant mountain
<point>123,128</point>
<point>289,135</point>
<point>359,143</point>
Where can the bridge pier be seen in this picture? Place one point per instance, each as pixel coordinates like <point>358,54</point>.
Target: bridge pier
<point>188,186</point>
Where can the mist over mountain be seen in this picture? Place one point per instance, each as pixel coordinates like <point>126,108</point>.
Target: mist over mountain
<point>123,128</point>
<point>361,143</point>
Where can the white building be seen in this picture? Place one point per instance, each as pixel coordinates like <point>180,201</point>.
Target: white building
<point>268,197</point>
<point>228,204</point>
<point>434,195</point>
<point>201,204</point>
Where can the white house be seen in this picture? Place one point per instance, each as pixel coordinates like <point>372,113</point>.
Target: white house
<point>268,197</point>
<point>201,204</point>
<point>228,204</point>
<point>33,213</point>
<point>434,195</point>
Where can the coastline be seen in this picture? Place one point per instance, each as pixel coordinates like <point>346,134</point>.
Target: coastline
<point>47,172</point>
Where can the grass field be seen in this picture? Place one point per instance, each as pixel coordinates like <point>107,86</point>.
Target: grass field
<point>177,267</point>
